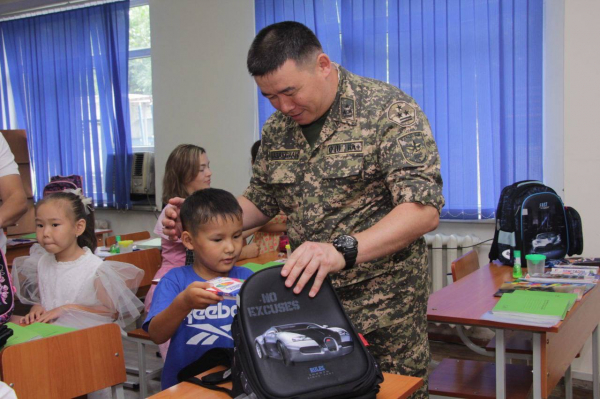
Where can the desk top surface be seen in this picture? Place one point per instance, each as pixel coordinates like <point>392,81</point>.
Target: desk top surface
<point>394,386</point>
<point>466,300</point>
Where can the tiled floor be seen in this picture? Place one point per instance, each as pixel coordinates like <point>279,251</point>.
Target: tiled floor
<point>442,350</point>
<point>152,362</point>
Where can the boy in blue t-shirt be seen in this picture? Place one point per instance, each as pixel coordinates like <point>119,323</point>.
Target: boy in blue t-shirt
<point>212,228</point>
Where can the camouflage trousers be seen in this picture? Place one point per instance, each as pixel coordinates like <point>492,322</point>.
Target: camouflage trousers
<point>403,348</point>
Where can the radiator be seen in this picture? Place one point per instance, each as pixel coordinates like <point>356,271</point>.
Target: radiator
<point>443,249</point>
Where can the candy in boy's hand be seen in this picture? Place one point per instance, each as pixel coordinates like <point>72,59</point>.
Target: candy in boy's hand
<point>226,287</point>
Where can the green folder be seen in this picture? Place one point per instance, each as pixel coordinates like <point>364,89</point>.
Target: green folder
<point>533,304</point>
<point>34,331</point>
<point>256,267</point>
<point>20,334</point>
<point>572,297</point>
<point>48,330</point>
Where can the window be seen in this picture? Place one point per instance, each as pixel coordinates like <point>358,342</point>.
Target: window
<point>140,77</point>
<point>474,67</point>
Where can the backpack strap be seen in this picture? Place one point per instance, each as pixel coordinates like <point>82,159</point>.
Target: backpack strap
<point>212,358</point>
<point>210,381</point>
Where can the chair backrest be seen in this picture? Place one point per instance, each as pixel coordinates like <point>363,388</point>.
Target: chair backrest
<point>140,235</point>
<point>465,265</point>
<point>66,365</point>
<point>149,260</point>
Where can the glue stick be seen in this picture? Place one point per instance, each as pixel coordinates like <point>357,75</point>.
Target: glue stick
<point>288,250</point>
<point>517,272</point>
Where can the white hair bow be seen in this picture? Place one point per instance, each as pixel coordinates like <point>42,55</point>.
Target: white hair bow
<point>86,201</point>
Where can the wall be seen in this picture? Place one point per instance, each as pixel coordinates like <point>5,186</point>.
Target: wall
<point>203,94</point>
<point>582,135</point>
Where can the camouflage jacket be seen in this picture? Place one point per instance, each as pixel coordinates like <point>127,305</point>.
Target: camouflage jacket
<point>375,151</point>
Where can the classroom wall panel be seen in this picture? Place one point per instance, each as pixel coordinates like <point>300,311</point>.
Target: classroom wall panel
<point>203,93</point>
<point>582,136</point>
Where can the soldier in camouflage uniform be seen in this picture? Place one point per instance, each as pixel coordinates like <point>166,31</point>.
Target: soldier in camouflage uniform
<point>370,168</point>
<point>375,152</point>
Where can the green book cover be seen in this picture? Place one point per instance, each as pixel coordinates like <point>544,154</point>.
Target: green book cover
<point>532,304</point>
<point>48,330</point>
<point>256,267</point>
<point>571,297</point>
<point>20,334</point>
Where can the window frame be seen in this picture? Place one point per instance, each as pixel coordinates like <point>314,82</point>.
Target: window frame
<point>139,54</point>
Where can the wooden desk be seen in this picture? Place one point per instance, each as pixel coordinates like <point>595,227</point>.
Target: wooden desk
<point>393,387</point>
<point>554,348</point>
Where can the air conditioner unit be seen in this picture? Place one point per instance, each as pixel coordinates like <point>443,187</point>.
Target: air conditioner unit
<point>142,173</point>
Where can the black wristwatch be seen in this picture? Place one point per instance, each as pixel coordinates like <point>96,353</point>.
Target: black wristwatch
<point>348,246</point>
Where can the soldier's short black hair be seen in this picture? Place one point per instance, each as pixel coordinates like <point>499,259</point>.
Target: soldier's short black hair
<point>277,43</point>
<point>207,205</point>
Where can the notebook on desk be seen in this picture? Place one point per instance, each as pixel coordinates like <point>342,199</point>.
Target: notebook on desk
<point>149,244</point>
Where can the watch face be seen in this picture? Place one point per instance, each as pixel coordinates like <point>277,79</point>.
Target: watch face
<point>345,241</point>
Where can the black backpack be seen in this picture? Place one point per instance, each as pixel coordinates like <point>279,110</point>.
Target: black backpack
<point>7,300</point>
<point>291,346</point>
<point>531,218</point>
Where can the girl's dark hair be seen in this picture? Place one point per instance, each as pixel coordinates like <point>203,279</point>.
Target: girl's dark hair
<point>208,204</point>
<point>254,150</point>
<point>182,167</point>
<point>88,238</point>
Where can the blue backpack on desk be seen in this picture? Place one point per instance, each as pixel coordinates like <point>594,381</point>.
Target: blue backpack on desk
<point>531,217</point>
<point>290,346</point>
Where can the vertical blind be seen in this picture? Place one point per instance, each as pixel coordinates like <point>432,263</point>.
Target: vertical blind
<point>68,73</point>
<point>474,66</point>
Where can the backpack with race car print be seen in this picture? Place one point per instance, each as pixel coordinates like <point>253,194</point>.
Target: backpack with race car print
<point>289,345</point>
<point>531,218</point>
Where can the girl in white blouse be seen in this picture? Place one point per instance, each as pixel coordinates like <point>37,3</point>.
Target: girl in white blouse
<point>62,278</point>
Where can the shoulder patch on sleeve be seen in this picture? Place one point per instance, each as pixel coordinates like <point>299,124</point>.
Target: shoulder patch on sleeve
<point>402,113</point>
<point>414,148</point>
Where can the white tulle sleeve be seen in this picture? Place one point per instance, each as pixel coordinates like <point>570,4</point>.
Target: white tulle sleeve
<point>116,284</point>
<point>25,275</point>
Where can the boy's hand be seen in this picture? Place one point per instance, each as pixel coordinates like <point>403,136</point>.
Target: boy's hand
<point>34,314</point>
<point>195,296</point>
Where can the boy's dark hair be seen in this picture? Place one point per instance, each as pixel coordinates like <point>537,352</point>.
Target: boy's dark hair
<point>88,237</point>
<point>277,43</point>
<point>254,150</point>
<point>208,204</point>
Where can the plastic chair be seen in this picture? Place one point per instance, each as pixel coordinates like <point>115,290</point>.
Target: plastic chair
<point>67,365</point>
<point>140,235</point>
<point>148,260</point>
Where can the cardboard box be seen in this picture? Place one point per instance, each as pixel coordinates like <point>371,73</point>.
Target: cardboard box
<point>26,224</point>
<point>17,141</point>
<point>25,172</point>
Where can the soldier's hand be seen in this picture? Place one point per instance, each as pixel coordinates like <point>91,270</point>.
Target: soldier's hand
<point>308,259</point>
<point>172,223</point>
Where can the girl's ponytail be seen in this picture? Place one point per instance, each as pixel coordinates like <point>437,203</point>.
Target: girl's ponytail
<point>88,238</point>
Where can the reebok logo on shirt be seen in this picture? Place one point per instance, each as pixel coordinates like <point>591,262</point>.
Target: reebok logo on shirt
<point>209,333</point>
<point>212,312</point>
